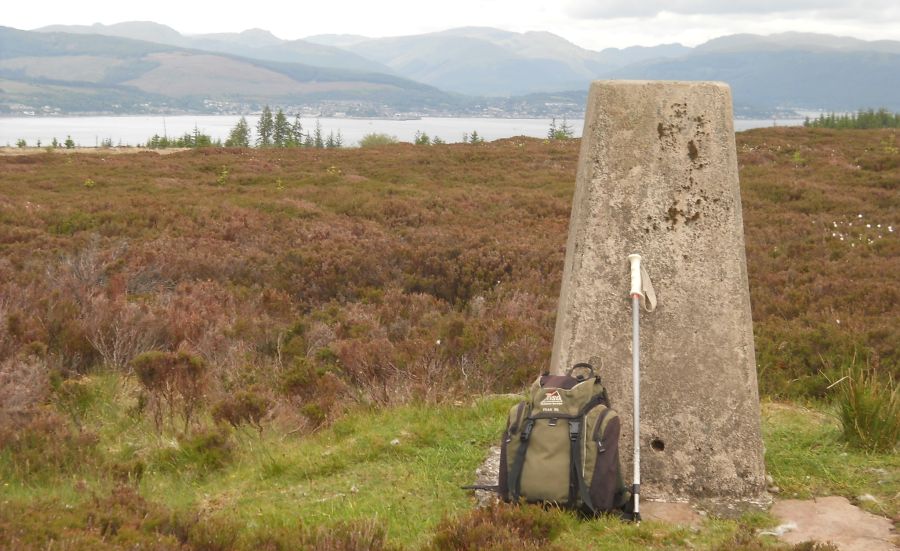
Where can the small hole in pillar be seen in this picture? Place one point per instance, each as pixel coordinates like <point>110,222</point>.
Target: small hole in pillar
<point>657,444</point>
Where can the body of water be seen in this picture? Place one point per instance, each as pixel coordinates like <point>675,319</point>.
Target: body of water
<point>134,130</point>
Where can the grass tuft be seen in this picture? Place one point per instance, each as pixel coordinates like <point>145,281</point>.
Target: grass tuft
<point>868,407</point>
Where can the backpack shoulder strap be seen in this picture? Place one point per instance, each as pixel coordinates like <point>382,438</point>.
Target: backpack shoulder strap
<point>577,486</point>
<point>515,472</point>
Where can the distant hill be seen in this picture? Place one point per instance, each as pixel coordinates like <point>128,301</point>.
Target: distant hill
<point>89,72</point>
<point>767,73</point>
<point>252,43</point>
<point>621,57</point>
<point>337,40</point>
<point>810,42</point>
<point>147,31</point>
<point>493,62</point>
<point>468,70</point>
<point>789,70</point>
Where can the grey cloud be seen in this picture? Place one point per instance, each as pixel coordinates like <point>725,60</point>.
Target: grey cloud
<point>650,8</point>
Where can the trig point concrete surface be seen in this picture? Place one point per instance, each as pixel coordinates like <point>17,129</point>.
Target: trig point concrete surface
<point>658,176</point>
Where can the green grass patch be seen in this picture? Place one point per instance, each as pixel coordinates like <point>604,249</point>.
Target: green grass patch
<point>403,467</point>
<point>807,457</point>
<point>379,479</point>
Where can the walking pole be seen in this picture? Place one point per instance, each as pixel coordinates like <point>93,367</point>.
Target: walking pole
<point>636,296</point>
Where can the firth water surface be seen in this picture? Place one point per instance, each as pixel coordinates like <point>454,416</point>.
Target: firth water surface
<point>134,130</point>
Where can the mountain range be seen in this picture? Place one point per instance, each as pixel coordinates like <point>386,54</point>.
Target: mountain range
<point>63,72</point>
<point>470,70</point>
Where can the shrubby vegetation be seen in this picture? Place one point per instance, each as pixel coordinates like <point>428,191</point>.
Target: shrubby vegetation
<point>302,231</point>
<point>239,136</point>
<point>562,131</point>
<point>217,316</point>
<point>474,138</point>
<point>882,118</point>
<point>375,139</point>
<point>189,139</point>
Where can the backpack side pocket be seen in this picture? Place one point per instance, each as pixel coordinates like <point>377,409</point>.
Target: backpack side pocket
<point>509,445</point>
<point>606,480</point>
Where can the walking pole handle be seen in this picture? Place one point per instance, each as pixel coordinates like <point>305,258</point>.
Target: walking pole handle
<point>635,260</point>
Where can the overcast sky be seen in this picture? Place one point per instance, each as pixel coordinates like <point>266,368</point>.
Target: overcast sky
<point>594,24</point>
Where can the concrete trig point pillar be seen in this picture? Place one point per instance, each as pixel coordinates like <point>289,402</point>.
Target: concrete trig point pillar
<point>658,176</point>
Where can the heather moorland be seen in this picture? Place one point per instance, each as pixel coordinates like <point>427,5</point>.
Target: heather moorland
<point>276,348</point>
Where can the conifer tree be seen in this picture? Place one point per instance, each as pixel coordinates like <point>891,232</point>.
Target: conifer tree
<point>561,132</point>
<point>297,132</point>
<point>281,132</point>
<point>265,128</point>
<point>239,136</point>
<point>318,139</point>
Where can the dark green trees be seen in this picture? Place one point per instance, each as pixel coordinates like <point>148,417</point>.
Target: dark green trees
<point>281,130</point>
<point>318,140</point>
<point>422,138</point>
<point>239,135</point>
<point>265,128</point>
<point>276,131</point>
<point>560,132</point>
<point>296,133</point>
<point>870,118</point>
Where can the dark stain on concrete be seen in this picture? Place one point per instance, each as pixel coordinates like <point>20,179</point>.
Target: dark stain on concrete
<point>693,153</point>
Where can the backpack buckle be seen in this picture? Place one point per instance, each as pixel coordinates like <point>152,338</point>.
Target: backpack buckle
<point>574,429</point>
<point>526,430</point>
